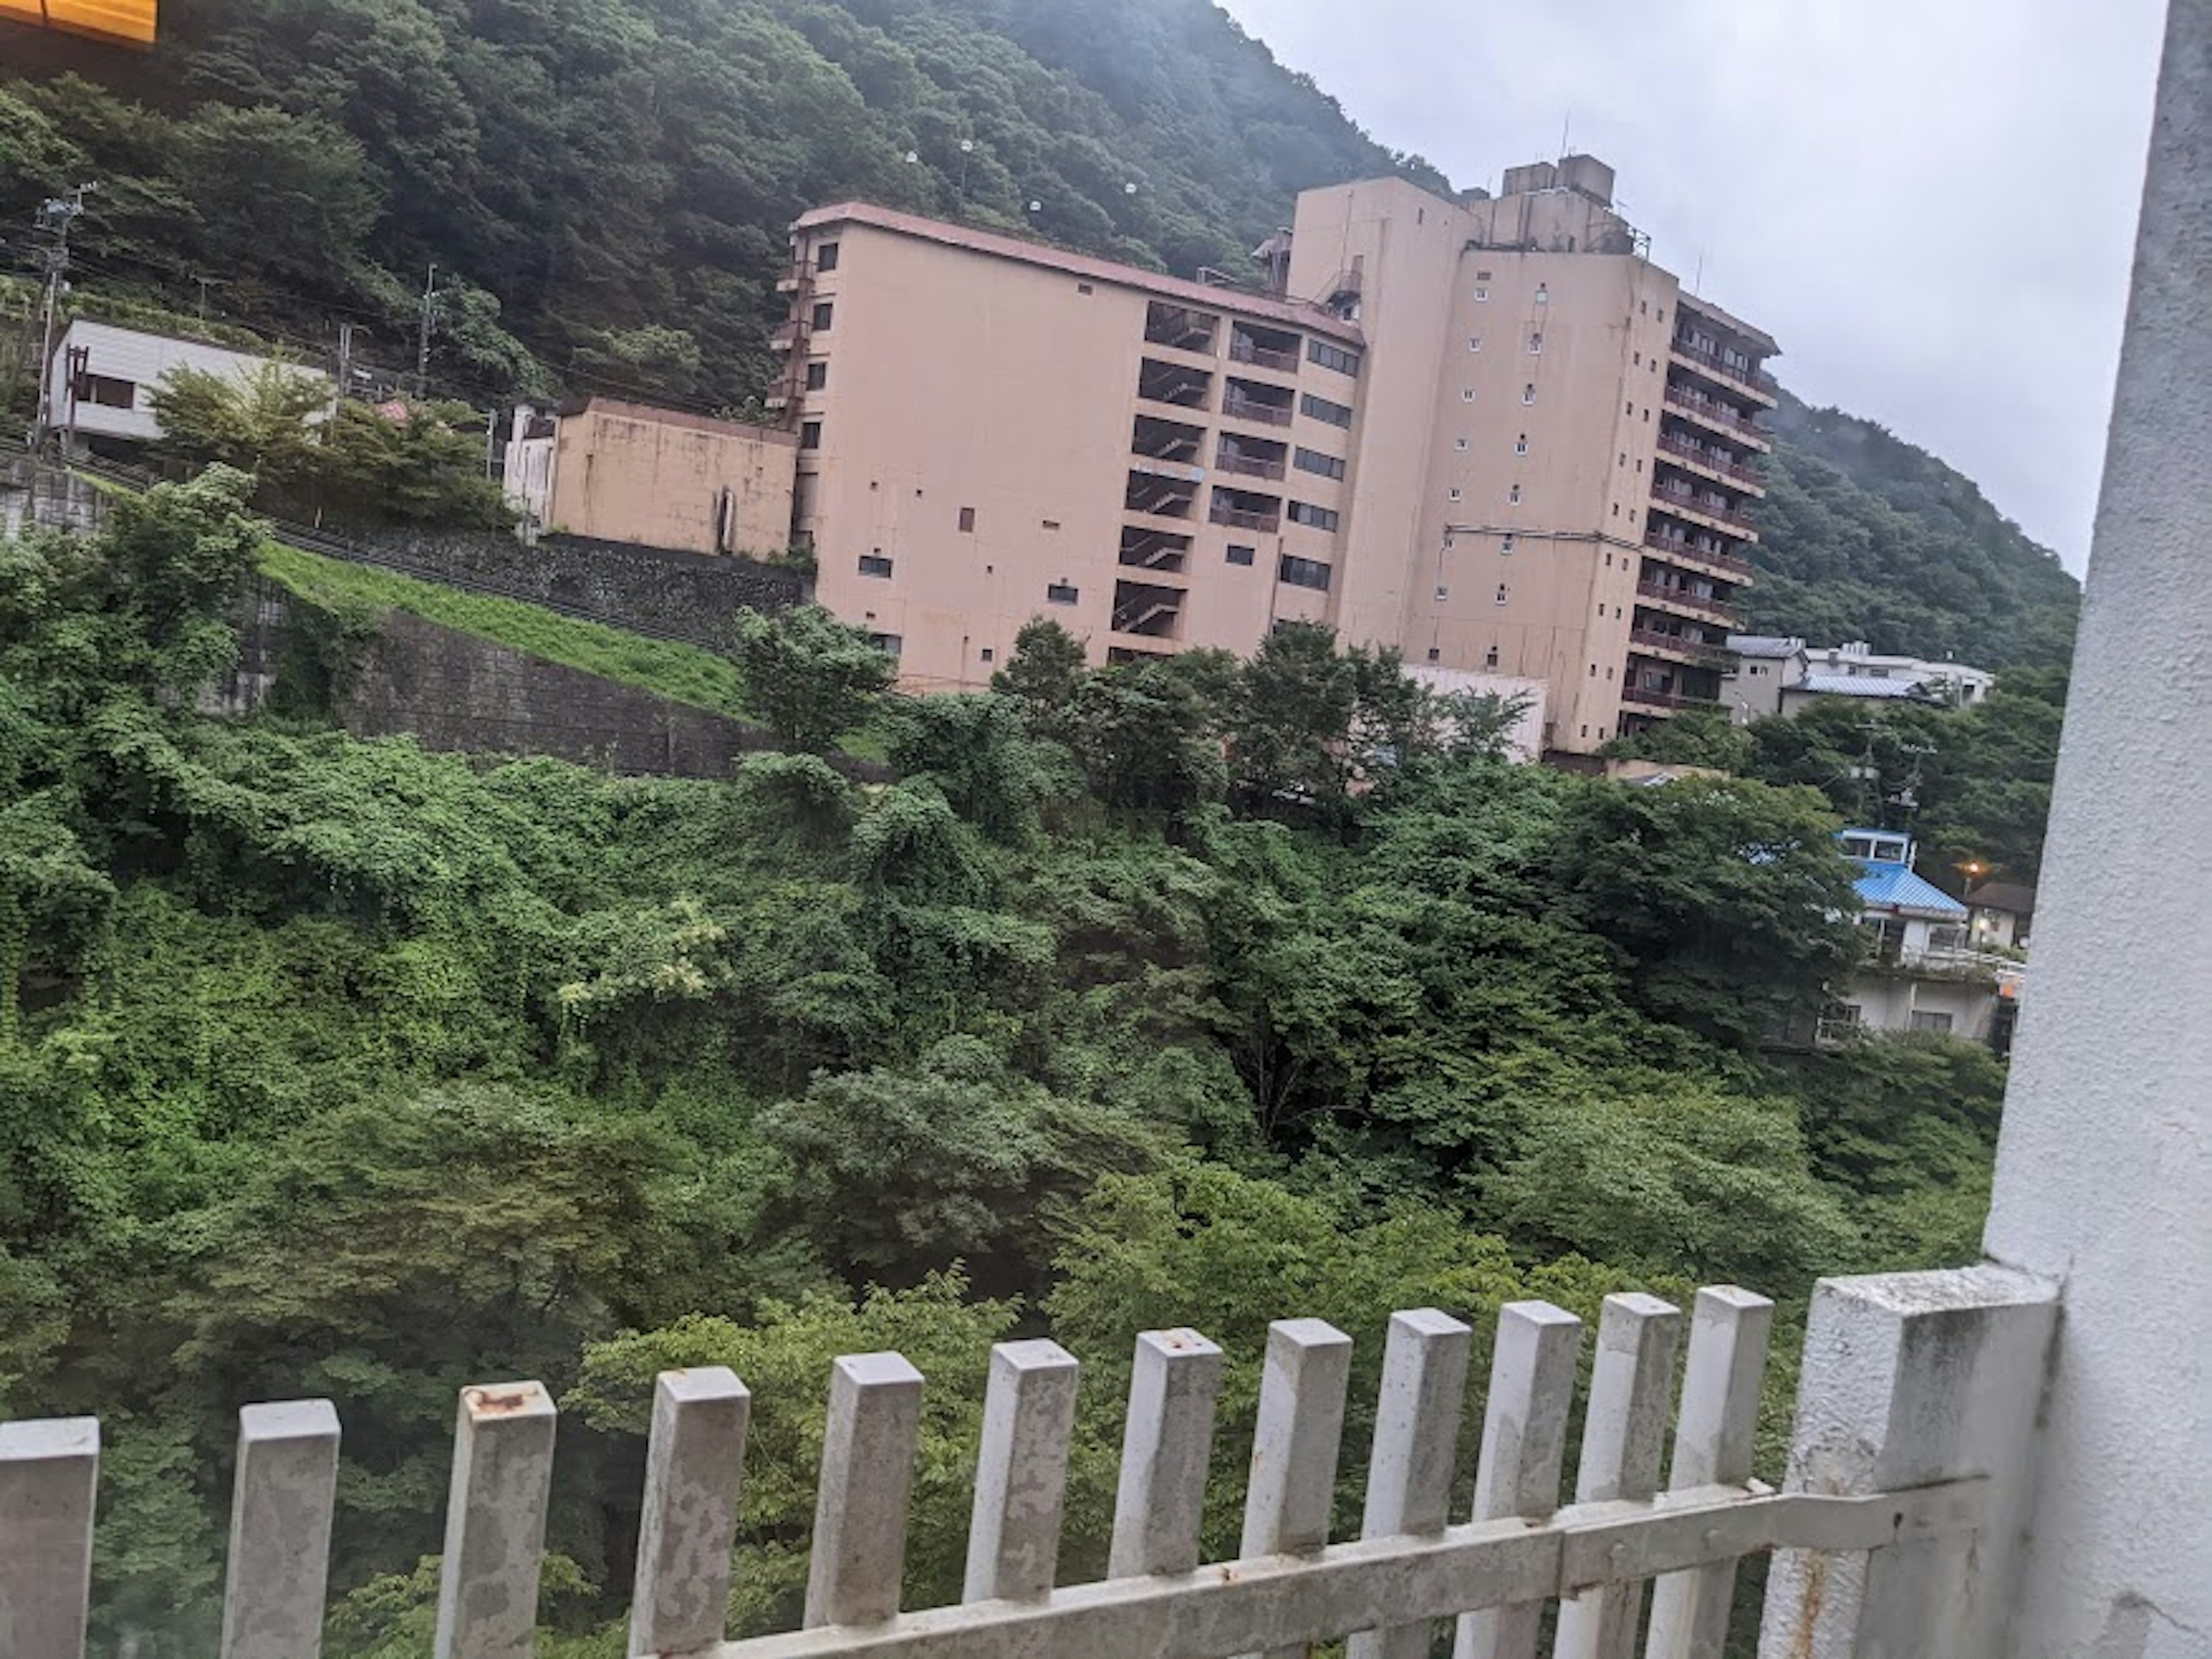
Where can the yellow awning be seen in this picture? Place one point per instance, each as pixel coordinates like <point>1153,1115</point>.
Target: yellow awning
<point>128,20</point>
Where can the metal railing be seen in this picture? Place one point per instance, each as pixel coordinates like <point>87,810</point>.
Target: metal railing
<point>1228,460</point>
<point>1670,498</point>
<point>1245,518</point>
<point>1651,640</point>
<point>1911,1509</point>
<point>1649,698</point>
<point>1243,349</point>
<point>1713,412</point>
<point>1250,408</point>
<point>1684,451</point>
<point>1713,362</point>
<point>1716,608</point>
<point>1690,553</point>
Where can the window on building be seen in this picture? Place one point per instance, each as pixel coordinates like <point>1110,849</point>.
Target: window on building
<point>1543,293</point>
<point>1443,593</point>
<point>1482,295</point>
<point>1506,546</point>
<point>1312,460</point>
<point>823,312</point>
<point>1521,445</point>
<point>1321,409</point>
<point>1460,444</point>
<point>889,644</point>
<point>1925,1019</point>
<point>1644,306</point>
<point>1084,287</point>
<point>810,434</point>
<point>1513,495</point>
<point>1240,554</point>
<point>1317,517</point>
<point>1593,673</point>
<point>988,655</point>
<point>817,374</point>
<point>1501,592</point>
<point>1535,339</point>
<point>106,391</point>
<point>967,518</point>
<point>1453,494</point>
<point>1528,393</point>
<point>1434,653</point>
<point>1332,357</point>
<point>1466,394</point>
<point>875,564</point>
<point>1490,657</point>
<point>825,257</point>
<point>1475,343</point>
<point>1061,593</point>
<point>1640,360</point>
<point>1616,513</point>
<point>1294,572</point>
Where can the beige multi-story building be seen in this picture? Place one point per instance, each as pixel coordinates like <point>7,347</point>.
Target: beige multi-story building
<point>1489,432</point>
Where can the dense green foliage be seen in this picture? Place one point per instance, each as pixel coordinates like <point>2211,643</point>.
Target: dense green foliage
<point>1973,785</point>
<point>1866,537</point>
<point>336,1067</point>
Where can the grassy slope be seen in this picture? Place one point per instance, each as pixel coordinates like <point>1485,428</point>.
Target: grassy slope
<point>681,673</point>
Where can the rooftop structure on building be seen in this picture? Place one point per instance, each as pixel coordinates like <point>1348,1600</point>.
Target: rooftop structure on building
<point>1567,502</point>
<point>1925,969</point>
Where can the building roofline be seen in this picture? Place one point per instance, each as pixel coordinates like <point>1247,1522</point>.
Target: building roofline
<point>994,245</point>
<point>266,351</point>
<point>656,415</point>
<point>1758,338</point>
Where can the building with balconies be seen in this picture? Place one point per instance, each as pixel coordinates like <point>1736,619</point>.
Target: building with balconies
<point>1556,464</point>
<point>1924,969</point>
<point>993,429</point>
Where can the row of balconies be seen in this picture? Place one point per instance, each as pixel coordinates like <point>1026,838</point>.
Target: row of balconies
<point>1713,412</point>
<point>1691,550</point>
<point>1709,360</point>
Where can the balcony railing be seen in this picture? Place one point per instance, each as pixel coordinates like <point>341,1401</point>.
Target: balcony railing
<point>1713,363</point>
<point>1891,1548</point>
<point>1246,350</point>
<point>1251,409</point>
<point>1690,553</point>
<point>1672,498</point>
<point>1682,449</point>
<point>1228,460</point>
<point>1648,697</point>
<point>1241,517</point>
<point>1710,610</point>
<point>1713,412</point>
<point>1651,640</point>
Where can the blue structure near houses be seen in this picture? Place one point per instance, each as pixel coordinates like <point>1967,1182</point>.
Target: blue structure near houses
<point>1921,973</point>
<point>1890,886</point>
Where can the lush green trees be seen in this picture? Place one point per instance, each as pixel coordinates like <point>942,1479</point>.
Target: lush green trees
<point>338,1066</point>
<point>810,677</point>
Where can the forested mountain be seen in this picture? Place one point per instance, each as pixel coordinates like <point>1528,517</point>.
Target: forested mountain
<point>1866,537</point>
<point>604,186</point>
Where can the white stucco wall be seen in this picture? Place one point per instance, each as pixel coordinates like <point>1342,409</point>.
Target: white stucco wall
<point>2104,1171</point>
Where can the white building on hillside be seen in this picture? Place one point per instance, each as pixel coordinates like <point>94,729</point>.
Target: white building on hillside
<point>1781,675</point>
<point>1923,971</point>
<point>106,392</point>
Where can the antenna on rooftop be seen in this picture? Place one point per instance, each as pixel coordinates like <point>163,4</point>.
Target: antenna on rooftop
<point>1566,126</point>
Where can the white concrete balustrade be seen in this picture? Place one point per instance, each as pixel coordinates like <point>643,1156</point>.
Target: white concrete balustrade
<point>1919,1395</point>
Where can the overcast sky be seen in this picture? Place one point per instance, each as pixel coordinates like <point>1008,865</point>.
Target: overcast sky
<point>1930,203</point>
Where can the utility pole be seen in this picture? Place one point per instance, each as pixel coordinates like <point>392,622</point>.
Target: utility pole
<point>55,217</point>
<point>345,366</point>
<point>423,350</point>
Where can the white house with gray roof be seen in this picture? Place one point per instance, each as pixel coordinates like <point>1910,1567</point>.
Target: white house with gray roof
<point>1782,675</point>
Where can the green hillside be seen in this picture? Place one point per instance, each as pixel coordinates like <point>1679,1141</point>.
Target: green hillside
<point>1866,536</point>
<point>604,187</point>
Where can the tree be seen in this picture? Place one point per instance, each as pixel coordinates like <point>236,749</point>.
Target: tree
<point>1043,675</point>
<point>810,677</point>
<point>1731,899</point>
<point>259,423</point>
<point>1693,738</point>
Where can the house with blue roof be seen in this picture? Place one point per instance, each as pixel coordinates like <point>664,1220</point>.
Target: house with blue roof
<point>1922,971</point>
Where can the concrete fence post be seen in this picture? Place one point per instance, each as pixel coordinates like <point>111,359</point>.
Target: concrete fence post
<point>693,1469</point>
<point>1909,1379</point>
<point>496,1523</point>
<point>1416,1441</point>
<point>1295,1442</point>
<point>867,1475</point>
<point>1021,1471</point>
<point>281,1508</point>
<point>1624,1445</point>
<point>49,1478</point>
<point>1161,1500</point>
<point>1524,1441</point>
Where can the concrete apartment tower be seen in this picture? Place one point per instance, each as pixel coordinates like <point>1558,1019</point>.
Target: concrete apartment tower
<point>1488,432</point>
<point>1556,450</point>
